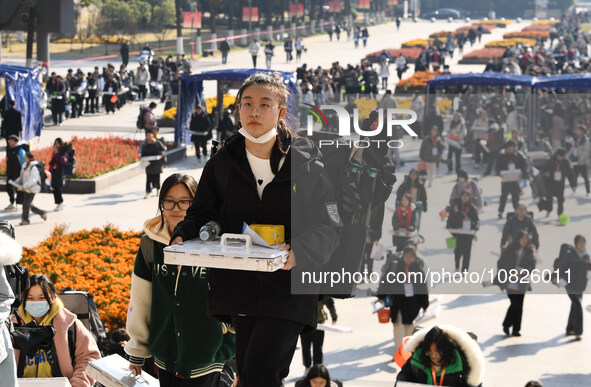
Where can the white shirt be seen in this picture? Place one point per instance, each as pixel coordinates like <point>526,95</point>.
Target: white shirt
<point>261,169</point>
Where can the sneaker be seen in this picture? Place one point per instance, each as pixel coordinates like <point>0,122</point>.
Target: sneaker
<point>59,207</point>
<point>506,330</point>
<point>147,195</point>
<point>44,216</point>
<point>516,334</point>
<point>11,207</point>
<point>24,223</point>
<point>578,338</point>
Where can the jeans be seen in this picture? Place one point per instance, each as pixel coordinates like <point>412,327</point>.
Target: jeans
<point>463,249</point>
<point>142,91</point>
<point>28,206</point>
<point>457,152</point>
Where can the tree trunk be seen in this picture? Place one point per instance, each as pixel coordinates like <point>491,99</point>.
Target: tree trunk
<point>31,35</point>
<point>212,16</point>
<point>179,27</point>
<point>230,15</point>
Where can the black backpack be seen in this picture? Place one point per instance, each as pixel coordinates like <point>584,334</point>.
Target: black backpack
<point>70,166</point>
<point>141,119</point>
<point>40,165</point>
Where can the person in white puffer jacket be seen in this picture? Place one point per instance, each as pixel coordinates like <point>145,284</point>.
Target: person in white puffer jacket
<point>30,182</point>
<point>10,254</point>
<point>580,156</point>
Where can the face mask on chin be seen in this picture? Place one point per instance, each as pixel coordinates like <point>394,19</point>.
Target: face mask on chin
<point>270,135</point>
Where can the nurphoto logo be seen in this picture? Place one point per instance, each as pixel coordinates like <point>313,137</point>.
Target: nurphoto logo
<point>393,117</point>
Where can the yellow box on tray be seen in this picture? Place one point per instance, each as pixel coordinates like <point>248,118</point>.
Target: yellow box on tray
<point>271,233</point>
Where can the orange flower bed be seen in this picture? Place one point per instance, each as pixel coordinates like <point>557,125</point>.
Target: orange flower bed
<point>94,156</point>
<point>417,81</point>
<point>487,28</point>
<point>528,34</point>
<point>98,261</point>
<point>485,53</point>
<point>440,34</point>
<point>538,27</point>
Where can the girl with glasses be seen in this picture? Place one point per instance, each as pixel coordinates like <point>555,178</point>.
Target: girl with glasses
<point>259,176</point>
<point>167,317</point>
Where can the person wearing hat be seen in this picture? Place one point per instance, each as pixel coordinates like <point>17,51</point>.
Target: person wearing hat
<point>556,171</point>
<point>510,160</point>
<point>15,158</point>
<point>200,131</point>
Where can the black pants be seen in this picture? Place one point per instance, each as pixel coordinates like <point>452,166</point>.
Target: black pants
<point>152,181</point>
<point>142,92</point>
<point>506,189</point>
<point>57,195</point>
<point>298,55</point>
<point>79,104</point>
<point>457,152</point>
<point>58,117</point>
<point>28,206</point>
<point>263,358</point>
<point>491,158</point>
<point>399,73</point>
<point>463,249</point>
<point>384,83</point>
<point>582,170</point>
<point>254,61</point>
<point>514,313</point>
<point>200,143</point>
<point>91,102</point>
<point>315,339</point>
<point>548,201</point>
<point>12,192</point>
<point>575,317</point>
<point>168,379</point>
<point>109,106</point>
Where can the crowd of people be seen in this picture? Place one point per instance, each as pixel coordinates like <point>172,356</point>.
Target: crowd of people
<point>108,90</point>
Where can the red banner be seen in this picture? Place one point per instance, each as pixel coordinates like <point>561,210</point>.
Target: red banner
<point>363,4</point>
<point>392,2</point>
<point>292,10</point>
<point>194,16</point>
<point>253,15</point>
<point>334,6</point>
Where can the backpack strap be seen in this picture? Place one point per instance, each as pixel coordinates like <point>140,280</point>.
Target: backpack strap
<point>72,342</point>
<point>147,248</point>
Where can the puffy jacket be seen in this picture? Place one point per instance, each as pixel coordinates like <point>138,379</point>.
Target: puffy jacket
<point>30,178</point>
<point>156,148</point>
<point>427,150</point>
<point>227,193</point>
<point>406,186</point>
<point>580,152</point>
<point>86,348</point>
<point>459,212</point>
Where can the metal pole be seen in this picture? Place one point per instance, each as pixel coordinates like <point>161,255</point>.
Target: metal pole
<point>249,16</point>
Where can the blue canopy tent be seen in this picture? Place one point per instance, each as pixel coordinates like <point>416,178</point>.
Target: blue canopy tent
<point>191,93</point>
<point>564,81</point>
<point>23,86</point>
<point>488,78</point>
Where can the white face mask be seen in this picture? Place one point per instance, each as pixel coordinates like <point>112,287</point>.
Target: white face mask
<point>270,135</point>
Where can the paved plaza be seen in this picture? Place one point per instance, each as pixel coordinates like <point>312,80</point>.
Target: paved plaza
<point>364,357</point>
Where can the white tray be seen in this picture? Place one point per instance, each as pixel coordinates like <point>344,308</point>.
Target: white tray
<point>44,382</point>
<point>222,255</point>
<point>461,231</point>
<point>113,371</point>
<point>511,176</point>
<point>538,155</point>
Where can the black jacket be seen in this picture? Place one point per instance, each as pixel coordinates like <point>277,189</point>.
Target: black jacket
<point>552,166</point>
<point>227,193</point>
<point>200,123</point>
<point>408,307</point>
<point>457,215</point>
<point>13,163</point>
<point>12,123</point>
<point>508,262</point>
<point>572,268</point>
<point>156,148</point>
<point>421,192</point>
<point>514,225</point>
<point>504,159</point>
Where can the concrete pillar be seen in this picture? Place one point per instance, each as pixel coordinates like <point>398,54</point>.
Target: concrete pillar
<point>198,46</point>
<point>257,33</point>
<point>293,31</point>
<point>214,44</point>
<point>270,32</point>
<point>179,45</point>
<point>313,27</point>
<point>231,42</point>
<point>321,28</point>
<point>243,40</point>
